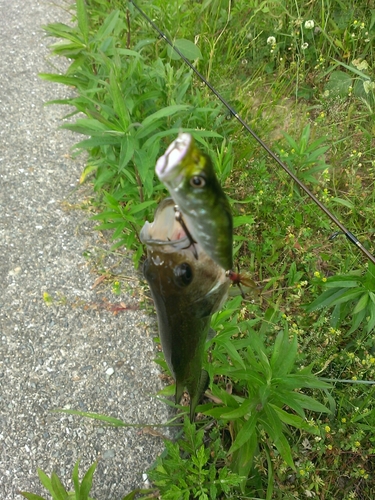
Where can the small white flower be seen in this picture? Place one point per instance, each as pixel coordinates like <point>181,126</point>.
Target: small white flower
<point>271,40</point>
<point>360,64</point>
<point>309,25</point>
<point>304,46</point>
<point>368,85</point>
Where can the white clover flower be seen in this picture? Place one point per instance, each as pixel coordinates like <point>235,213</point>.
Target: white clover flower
<point>360,64</point>
<point>309,25</point>
<point>271,40</point>
<point>368,85</point>
<point>304,46</point>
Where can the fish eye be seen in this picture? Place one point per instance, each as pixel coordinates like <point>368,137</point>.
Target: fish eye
<point>198,181</point>
<point>183,274</point>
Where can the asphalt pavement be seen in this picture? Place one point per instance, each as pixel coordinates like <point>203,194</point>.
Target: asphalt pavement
<point>66,340</point>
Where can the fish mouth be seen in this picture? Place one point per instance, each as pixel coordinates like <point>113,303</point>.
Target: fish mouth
<point>166,165</point>
<point>165,231</point>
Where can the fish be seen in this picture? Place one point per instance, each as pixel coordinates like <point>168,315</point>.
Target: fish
<point>189,176</point>
<point>187,287</point>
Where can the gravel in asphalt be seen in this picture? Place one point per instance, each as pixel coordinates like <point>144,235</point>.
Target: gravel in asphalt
<point>75,353</point>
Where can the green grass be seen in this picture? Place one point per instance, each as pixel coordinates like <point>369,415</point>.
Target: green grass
<point>291,414</point>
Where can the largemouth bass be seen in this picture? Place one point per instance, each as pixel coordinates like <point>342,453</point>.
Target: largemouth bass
<point>187,287</point>
<point>190,179</point>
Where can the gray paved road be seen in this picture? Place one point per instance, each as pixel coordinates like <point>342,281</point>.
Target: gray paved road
<point>60,356</point>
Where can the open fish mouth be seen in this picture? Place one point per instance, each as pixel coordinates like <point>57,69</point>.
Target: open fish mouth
<point>174,155</point>
<point>165,231</point>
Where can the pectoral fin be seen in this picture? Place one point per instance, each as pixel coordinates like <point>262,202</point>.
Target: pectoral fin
<point>201,389</point>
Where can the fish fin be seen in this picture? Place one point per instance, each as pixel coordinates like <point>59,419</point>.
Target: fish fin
<point>211,334</point>
<point>203,384</point>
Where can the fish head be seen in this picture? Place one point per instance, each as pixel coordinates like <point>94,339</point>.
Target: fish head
<point>184,168</point>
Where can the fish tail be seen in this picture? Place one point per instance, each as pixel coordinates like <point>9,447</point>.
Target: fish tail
<point>203,384</point>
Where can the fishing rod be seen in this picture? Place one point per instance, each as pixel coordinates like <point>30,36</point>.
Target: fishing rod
<point>351,237</point>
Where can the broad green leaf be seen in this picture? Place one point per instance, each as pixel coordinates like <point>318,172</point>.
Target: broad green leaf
<point>239,412</point>
<point>352,69</point>
<point>94,142</point>
<point>86,171</point>
<point>87,126</point>
<point>357,320</point>
<point>348,296</point>
<point>326,299</point>
<point>31,496</point>
<point>277,348</point>
<point>284,354</point>
<point>138,491</point>
<point>339,84</point>
<point>245,433</point>
<point>143,164</point>
<point>271,316</point>
<point>97,416</point>
<point>66,80</point>
<point>187,48</point>
<point>265,365</point>
<point>60,30</point>
<point>107,225</point>
<point>76,480</point>
<point>241,220</point>
<point>361,304</point>
<point>297,381</point>
<point>120,227</point>
<point>59,492</point>
<point>348,283</point>
<point>127,151</point>
<point>108,26</point>
<point>252,361</point>
<point>294,420</point>
<point>273,426</point>
<point>134,53</point>
<point>234,354</point>
<point>286,398</point>
<point>141,206</point>
<point>346,203</point>
<point>83,23</point>
<point>198,134</point>
<point>161,113</point>
<point>371,322</point>
<point>118,101</point>
<point>87,482</point>
<point>242,460</point>
<point>309,403</point>
<point>291,142</point>
<point>305,136</point>
<point>45,480</point>
<point>224,396</point>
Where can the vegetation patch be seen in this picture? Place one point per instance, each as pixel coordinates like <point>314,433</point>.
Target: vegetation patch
<point>290,412</point>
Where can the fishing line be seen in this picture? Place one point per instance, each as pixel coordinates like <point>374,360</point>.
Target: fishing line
<point>232,111</point>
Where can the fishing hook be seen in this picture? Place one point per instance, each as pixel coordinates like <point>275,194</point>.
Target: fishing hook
<point>350,236</point>
<point>179,218</point>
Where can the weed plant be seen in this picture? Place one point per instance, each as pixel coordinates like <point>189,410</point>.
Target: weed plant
<point>290,412</point>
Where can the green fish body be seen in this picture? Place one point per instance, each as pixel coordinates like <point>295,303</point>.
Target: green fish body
<point>190,179</point>
<point>187,289</point>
